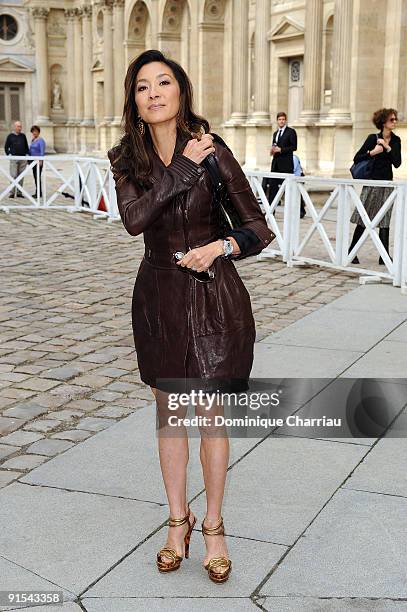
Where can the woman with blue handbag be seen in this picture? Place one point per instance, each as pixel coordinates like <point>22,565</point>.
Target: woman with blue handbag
<point>385,151</point>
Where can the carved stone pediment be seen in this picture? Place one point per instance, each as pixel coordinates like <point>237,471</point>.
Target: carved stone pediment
<point>286,29</point>
<point>9,64</point>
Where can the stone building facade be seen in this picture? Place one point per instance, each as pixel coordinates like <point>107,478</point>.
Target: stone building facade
<point>328,63</point>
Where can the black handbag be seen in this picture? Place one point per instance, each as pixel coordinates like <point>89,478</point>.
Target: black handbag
<point>228,216</point>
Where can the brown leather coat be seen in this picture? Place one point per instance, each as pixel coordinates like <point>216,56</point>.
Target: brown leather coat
<point>202,333</point>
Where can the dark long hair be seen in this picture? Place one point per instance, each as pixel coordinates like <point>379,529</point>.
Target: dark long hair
<point>130,156</point>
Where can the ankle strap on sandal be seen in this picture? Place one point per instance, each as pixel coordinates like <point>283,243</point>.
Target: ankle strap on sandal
<point>176,522</point>
<point>213,530</point>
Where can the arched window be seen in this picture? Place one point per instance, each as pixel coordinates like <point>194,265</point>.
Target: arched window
<point>8,27</point>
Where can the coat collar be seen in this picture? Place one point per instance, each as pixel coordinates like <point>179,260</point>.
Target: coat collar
<point>180,143</point>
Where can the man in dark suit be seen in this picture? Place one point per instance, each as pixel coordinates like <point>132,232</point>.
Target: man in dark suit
<point>284,144</point>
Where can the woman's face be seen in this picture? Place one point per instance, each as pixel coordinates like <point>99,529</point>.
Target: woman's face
<point>391,122</point>
<point>157,93</point>
<point>35,133</point>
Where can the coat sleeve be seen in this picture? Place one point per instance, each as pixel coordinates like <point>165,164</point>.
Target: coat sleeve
<point>292,144</point>
<point>395,153</point>
<point>139,209</point>
<point>368,145</point>
<point>245,202</point>
<point>7,146</point>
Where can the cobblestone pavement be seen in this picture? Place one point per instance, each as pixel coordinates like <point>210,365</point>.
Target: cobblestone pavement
<point>67,363</point>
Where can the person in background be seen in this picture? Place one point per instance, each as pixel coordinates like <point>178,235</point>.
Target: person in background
<point>37,148</point>
<point>16,144</point>
<point>298,171</point>
<point>284,145</point>
<point>385,148</point>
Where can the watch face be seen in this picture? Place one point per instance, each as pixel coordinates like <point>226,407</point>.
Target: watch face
<point>227,247</point>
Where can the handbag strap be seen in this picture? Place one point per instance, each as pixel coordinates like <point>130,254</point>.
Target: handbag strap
<point>213,169</point>
<point>211,164</point>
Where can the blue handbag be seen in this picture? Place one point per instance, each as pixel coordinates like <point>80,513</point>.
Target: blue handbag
<point>363,169</point>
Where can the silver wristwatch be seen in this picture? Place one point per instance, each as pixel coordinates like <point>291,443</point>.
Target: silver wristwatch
<point>227,248</point>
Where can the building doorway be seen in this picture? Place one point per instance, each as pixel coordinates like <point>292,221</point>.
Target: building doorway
<point>11,108</point>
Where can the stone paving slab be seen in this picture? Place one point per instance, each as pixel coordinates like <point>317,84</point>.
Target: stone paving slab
<point>109,462</point>
<point>176,604</point>
<point>384,468</point>
<point>387,359</point>
<point>137,575</point>
<point>71,538</point>
<point>281,485</point>
<point>14,577</point>
<point>272,360</point>
<point>373,298</point>
<point>332,328</point>
<point>352,549</point>
<point>399,334</point>
<point>345,604</point>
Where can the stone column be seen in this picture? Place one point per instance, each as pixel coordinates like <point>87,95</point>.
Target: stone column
<point>260,113</point>
<point>341,60</point>
<point>88,116</point>
<point>78,61</point>
<point>108,59</point>
<point>70,64</point>
<point>40,15</point>
<point>312,60</point>
<point>240,59</point>
<point>119,64</point>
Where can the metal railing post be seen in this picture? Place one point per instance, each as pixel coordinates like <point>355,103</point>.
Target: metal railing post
<point>403,260</point>
<point>112,204</point>
<point>287,223</point>
<point>77,187</point>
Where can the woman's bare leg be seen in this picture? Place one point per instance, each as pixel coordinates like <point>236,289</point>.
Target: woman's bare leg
<point>174,455</point>
<point>214,455</point>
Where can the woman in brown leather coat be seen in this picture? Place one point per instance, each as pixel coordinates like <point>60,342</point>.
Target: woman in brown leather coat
<point>201,333</point>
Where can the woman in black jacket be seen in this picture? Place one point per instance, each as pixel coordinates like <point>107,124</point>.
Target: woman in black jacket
<point>385,147</point>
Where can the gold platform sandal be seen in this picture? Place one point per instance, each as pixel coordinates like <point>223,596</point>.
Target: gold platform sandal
<point>175,562</point>
<point>217,561</point>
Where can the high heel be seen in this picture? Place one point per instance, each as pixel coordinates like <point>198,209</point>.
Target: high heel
<point>175,562</point>
<point>217,561</point>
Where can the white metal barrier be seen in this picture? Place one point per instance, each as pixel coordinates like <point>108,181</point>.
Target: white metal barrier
<point>86,180</point>
<point>89,182</point>
<point>342,198</point>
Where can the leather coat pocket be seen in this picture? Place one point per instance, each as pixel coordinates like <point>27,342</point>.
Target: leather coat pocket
<point>222,305</point>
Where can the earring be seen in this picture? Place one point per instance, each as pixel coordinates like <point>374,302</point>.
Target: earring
<point>140,126</point>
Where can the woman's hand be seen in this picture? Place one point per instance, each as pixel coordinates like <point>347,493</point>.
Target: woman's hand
<point>385,144</point>
<point>201,258</point>
<point>197,150</point>
<point>378,149</point>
